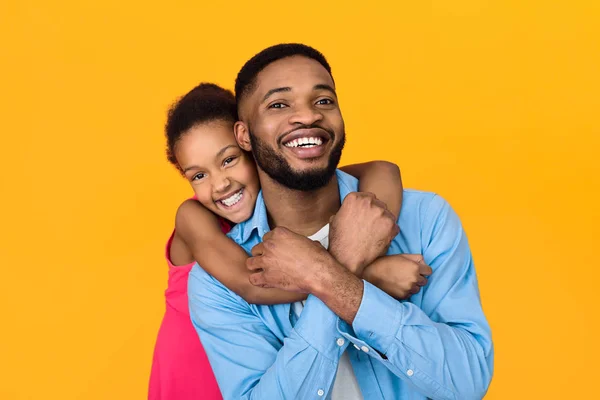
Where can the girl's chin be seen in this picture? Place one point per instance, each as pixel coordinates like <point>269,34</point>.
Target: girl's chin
<point>237,216</point>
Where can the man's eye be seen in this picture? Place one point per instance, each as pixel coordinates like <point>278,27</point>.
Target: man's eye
<point>228,160</point>
<point>325,102</point>
<point>198,177</point>
<point>277,105</point>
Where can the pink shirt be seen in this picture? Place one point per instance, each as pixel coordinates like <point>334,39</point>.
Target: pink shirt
<point>180,368</point>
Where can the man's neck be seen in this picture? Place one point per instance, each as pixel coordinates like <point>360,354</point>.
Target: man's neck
<point>301,212</point>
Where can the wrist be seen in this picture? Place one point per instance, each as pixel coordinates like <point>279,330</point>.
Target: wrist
<point>324,275</point>
<point>372,273</point>
<point>348,261</point>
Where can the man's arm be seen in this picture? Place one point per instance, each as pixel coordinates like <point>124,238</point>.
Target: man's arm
<point>443,349</point>
<point>243,342</point>
<point>248,359</point>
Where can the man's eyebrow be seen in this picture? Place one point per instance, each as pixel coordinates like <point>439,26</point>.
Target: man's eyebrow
<point>323,86</point>
<point>276,90</point>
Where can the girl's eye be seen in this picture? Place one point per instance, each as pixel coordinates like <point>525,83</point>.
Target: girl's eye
<point>277,105</point>
<point>228,160</point>
<point>198,177</point>
<point>324,102</point>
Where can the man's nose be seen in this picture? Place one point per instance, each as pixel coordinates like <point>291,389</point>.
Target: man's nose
<point>306,115</point>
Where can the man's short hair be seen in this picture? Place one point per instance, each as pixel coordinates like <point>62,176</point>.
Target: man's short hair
<point>246,78</point>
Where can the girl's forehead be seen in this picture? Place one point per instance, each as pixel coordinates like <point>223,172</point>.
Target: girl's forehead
<point>204,145</point>
<point>211,133</point>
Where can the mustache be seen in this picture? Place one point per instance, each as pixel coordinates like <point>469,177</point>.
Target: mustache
<point>311,126</point>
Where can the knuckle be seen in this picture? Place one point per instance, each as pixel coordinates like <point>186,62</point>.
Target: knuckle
<point>352,197</point>
<point>280,231</point>
<point>370,195</point>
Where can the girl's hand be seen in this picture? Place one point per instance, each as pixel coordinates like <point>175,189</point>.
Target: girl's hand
<point>400,275</point>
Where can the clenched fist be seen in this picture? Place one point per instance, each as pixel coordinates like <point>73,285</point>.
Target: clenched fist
<point>361,231</point>
<point>400,275</point>
<point>288,261</point>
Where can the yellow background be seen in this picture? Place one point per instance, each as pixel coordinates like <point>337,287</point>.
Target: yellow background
<point>494,105</point>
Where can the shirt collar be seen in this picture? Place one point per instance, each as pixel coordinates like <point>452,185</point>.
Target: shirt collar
<point>259,221</point>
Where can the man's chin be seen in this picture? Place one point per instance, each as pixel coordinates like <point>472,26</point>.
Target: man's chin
<point>301,165</point>
<point>309,169</point>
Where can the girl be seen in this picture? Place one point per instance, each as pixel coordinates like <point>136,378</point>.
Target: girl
<point>201,144</point>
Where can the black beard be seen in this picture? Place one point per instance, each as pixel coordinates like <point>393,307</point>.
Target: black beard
<point>277,167</point>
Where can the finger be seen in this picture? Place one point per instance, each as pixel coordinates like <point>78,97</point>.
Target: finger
<point>267,236</point>
<point>388,214</point>
<point>425,270</point>
<point>254,263</point>
<point>257,279</point>
<point>258,250</point>
<point>396,227</point>
<point>378,203</point>
<point>421,280</point>
<point>418,258</point>
<point>414,289</point>
<point>370,195</point>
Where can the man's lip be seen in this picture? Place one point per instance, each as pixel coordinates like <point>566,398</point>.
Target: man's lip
<point>306,133</point>
<point>229,195</point>
<point>309,153</point>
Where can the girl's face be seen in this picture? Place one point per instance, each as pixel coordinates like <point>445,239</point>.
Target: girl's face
<point>222,175</point>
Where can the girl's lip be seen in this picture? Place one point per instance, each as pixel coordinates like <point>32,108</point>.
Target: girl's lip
<point>228,195</point>
<point>233,206</point>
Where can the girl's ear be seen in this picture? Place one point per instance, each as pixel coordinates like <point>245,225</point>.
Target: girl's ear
<point>242,135</point>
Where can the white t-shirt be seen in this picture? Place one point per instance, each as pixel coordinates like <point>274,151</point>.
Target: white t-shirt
<point>345,385</point>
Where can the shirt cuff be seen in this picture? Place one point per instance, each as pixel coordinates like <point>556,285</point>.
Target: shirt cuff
<point>378,318</point>
<point>317,325</point>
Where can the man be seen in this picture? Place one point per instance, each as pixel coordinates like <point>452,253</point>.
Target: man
<point>349,340</point>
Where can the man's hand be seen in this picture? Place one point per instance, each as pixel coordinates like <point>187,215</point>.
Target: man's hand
<point>400,275</point>
<point>289,261</point>
<point>361,231</point>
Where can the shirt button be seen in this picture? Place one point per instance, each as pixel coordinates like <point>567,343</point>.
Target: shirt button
<point>365,349</point>
<point>340,342</point>
<point>320,392</point>
<point>410,372</point>
<point>357,348</point>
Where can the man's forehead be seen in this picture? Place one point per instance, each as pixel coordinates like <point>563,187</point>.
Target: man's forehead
<point>292,72</point>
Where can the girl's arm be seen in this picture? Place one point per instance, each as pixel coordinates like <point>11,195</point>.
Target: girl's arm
<point>381,178</point>
<point>220,256</point>
<point>384,180</point>
<point>198,229</point>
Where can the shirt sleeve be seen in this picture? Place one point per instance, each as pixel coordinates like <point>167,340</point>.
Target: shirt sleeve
<point>248,359</point>
<point>443,348</point>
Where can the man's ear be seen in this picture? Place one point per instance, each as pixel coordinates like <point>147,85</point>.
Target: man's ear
<point>242,135</point>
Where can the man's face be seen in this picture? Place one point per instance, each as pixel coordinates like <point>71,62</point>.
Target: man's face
<point>294,122</point>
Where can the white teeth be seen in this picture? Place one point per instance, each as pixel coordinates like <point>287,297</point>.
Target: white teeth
<point>305,142</point>
<point>233,199</point>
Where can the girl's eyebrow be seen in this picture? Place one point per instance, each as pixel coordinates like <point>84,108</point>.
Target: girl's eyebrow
<point>190,168</point>
<point>220,153</point>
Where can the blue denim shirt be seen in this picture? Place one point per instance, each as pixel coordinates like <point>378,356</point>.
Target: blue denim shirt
<point>438,345</point>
